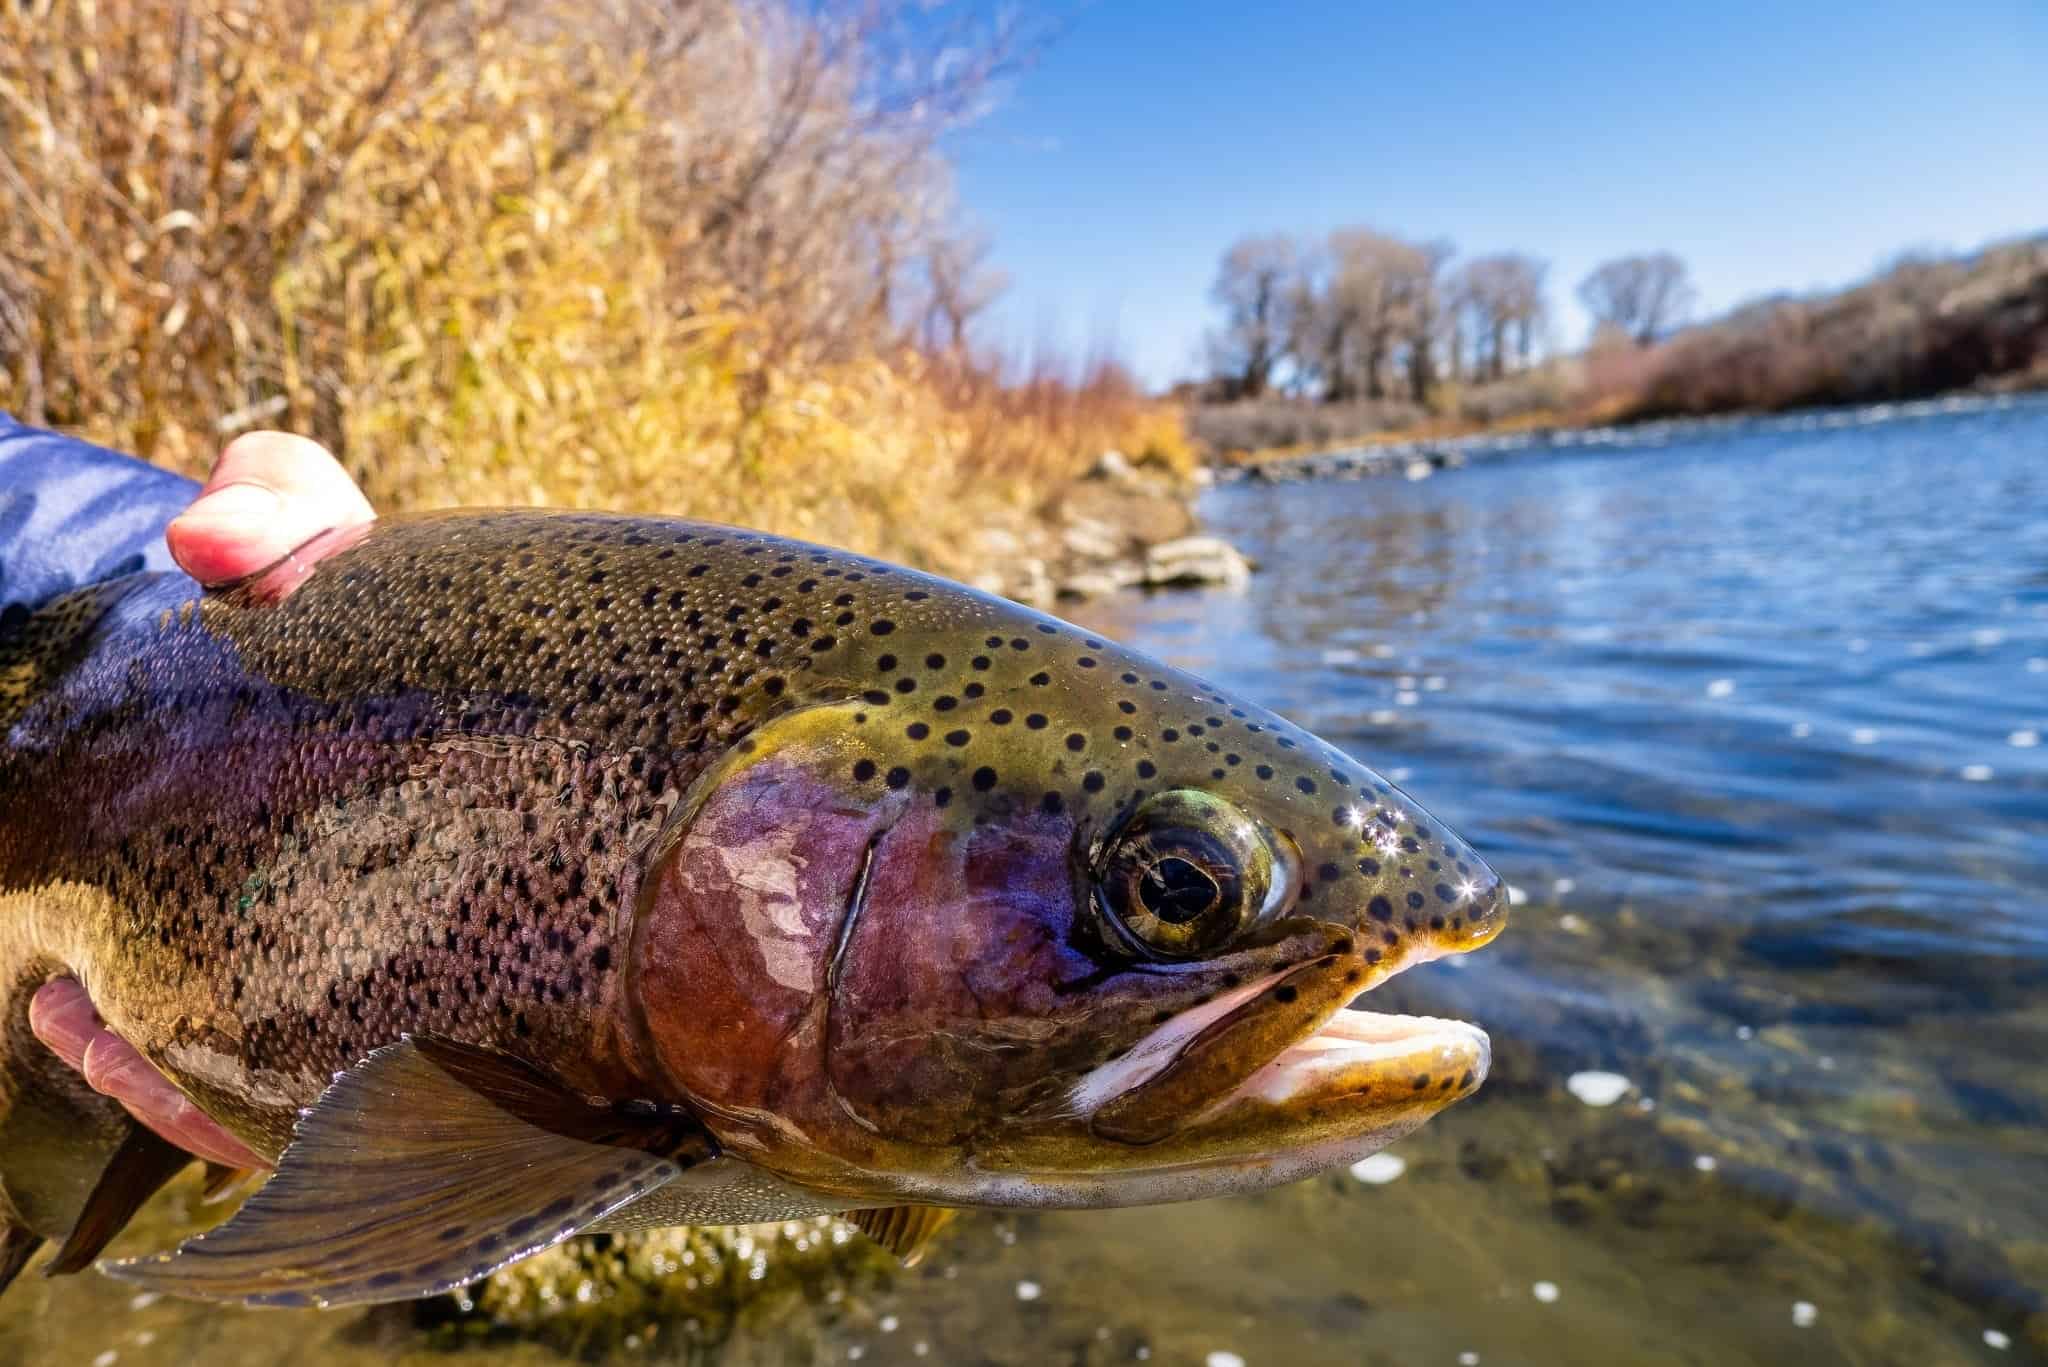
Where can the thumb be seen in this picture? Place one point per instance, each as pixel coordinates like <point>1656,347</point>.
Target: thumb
<point>269,494</point>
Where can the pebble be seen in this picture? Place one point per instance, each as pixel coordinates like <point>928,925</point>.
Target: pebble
<point>1029,1291</point>
<point>1804,1313</point>
<point>1995,1339</point>
<point>1976,773</point>
<point>2025,739</point>
<point>1545,1292</point>
<point>1596,1088</point>
<point>1220,1358</point>
<point>1379,1169</point>
<point>1720,688</point>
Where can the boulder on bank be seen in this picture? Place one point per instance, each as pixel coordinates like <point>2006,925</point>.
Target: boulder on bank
<point>1191,561</point>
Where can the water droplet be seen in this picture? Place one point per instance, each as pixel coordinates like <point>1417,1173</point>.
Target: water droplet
<point>1379,1169</point>
<point>1804,1313</point>
<point>1596,1088</point>
<point>1545,1292</point>
<point>1863,735</point>
<point>1563,887</point>
<point>1995,1339</point>
<point>2025,739</point>
<point>1976,773</point>
<point>1029,1291</point>
<point>1706,1162</point>
<point>1720,688</point>
<point>1516,896</point>
<point>1220,1358</point>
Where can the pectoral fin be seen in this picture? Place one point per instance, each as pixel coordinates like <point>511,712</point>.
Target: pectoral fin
<point>426,1166</point>
<point>18,1243</point>
<point>906,1231</point>
<point>136,1172</point>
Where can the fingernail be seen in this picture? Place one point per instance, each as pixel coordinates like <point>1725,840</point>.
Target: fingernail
<point>244,505</point>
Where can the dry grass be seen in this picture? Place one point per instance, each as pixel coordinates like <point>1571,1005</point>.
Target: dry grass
<point>639,257</point>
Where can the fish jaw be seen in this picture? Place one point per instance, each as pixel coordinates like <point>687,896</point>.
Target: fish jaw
<point>1344,1084</point>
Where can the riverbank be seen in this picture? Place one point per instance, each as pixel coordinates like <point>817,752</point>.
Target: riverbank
<point>1418,457</point>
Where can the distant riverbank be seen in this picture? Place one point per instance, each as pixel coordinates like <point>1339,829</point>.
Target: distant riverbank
<point>1420,457</point>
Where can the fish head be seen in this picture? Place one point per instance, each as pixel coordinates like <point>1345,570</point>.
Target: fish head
<point>1027,919</point>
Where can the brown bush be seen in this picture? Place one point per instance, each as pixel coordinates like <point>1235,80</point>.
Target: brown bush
<point>640,255</point>
<point>1923,327</point>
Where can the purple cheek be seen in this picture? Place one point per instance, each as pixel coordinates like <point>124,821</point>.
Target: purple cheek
<point>945,987</point>
<point>737,929</point>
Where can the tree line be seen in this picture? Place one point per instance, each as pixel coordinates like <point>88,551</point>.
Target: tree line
<point>1364,314</point>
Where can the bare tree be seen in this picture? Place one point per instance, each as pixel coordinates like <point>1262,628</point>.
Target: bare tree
<point>1500,305</point>
<point>1645,296</point>
<point>1426,315</point>
<point>959,284</point>
<point>1256,287</point>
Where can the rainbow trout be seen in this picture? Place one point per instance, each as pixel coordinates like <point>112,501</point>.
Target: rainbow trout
<point>512,875</point>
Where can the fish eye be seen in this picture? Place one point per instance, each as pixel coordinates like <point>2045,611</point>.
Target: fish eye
<point>1187,873</point>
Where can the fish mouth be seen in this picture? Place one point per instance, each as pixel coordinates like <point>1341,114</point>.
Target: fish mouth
<point>1274,1081</point>
<point>1355,1052</point>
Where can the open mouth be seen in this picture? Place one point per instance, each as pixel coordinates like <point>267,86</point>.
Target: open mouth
<point>1357,1053</point>
<point>1285,1052</point>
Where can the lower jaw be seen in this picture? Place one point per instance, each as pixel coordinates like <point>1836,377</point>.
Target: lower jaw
<point>1345,1092</point>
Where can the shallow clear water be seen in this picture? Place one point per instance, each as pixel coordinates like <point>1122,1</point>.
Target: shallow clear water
<point>1754,719</point>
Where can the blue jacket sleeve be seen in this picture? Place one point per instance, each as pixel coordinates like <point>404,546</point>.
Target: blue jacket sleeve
<point>72,513</point>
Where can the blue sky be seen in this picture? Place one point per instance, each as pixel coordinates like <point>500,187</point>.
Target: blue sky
<point>1783,146</point>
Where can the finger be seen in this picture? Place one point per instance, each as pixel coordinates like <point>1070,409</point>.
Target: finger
<point>113,1068</point>
<point>269,494</point>
<point>62,1016</point>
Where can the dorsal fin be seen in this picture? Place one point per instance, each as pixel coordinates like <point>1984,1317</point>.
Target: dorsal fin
<point>136,1172</point>
<point>428,1165</point>
<point>906,1231</point>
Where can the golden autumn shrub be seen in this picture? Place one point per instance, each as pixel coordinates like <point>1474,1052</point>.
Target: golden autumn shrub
<point>531,253</point>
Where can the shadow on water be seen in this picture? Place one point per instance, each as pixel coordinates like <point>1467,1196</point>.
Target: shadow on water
<point>1753,719</point>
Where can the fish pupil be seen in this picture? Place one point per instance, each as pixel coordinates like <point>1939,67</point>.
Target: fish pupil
<point>1177,891</point>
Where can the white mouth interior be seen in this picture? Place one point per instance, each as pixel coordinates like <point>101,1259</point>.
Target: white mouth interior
<point>1425,1044</point>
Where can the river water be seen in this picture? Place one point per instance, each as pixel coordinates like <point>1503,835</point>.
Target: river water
<point>1752,717</point>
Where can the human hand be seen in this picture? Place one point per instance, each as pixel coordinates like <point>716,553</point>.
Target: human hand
<point>269,496</point>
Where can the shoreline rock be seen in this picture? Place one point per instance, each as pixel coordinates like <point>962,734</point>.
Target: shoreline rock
<point>1120,527</point>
